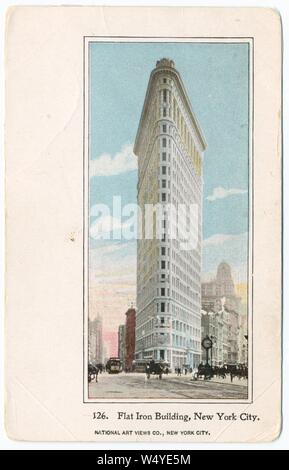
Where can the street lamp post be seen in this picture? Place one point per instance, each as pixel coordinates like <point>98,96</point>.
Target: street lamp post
<point>214,342</point>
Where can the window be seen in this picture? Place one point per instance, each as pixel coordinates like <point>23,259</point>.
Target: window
<point>163,277</point>
<point>162,307</point>
<point>163,292</point>
<point>164,142</point>
<point>164,128</point>
<point>165,95</point>
<point>165,80</point>
<point>164,170</point>
<point>163,251</point>
<point>164,156</point>
<point>162,320</point>
<point>164,112</point>
<point>163,197</point>
<point>164,183</point>
<point>163,265</point>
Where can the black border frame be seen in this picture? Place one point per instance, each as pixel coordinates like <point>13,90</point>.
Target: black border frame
<point>251,89</point>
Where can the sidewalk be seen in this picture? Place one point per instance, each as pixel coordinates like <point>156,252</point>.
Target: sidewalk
<point>227,380</point>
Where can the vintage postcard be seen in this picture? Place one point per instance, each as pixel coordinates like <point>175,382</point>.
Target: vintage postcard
<point>144,173</point>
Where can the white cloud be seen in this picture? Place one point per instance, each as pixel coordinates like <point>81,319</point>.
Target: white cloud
<point>109,165</point>
<point>220,239</point>
<point>118,269</point>
<point>117,279</point>
<point>221,193</point>
<point>104,225</point>
<point>111,248</point>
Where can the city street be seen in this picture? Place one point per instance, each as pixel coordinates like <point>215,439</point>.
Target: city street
<point>135,385</point>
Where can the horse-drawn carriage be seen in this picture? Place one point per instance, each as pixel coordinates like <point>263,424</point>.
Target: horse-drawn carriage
<point>205,371</point>
<point>156,368</point>
<point>92,372</point>
<point>238,370</point>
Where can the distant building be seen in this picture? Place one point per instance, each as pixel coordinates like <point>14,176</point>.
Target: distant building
<point>121,343</point>
<point>221,287</point>
<point>220,316</point>
<point>95,340</point>
<point>215,325</point>
<point>130,338</point>
<point>243,340</point>
<point>105,354</point>
<point>233,337</point>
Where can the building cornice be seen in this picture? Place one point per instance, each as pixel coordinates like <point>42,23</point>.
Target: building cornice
<point>168,70</point>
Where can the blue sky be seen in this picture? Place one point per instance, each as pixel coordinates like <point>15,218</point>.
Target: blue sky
<point>216,79</point>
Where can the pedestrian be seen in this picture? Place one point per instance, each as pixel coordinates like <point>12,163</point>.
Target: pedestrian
<point>194,373</point>
<point>147,371</point>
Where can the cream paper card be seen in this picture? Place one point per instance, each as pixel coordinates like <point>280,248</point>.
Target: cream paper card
<point>143,192</point>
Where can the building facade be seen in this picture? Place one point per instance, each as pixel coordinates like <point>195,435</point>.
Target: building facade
<point>222,287</point>
<point>220,316</point>
<point>121,343</point>
<point>130,338</point>
<point>95,341</point>
<point>243,340</point>
<point>170,148</point>
<point>215,325</point>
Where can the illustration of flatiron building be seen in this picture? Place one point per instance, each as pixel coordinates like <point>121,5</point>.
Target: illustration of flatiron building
<point>169,146</point>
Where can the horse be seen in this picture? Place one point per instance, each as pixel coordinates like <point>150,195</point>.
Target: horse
<point>92,373</point>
